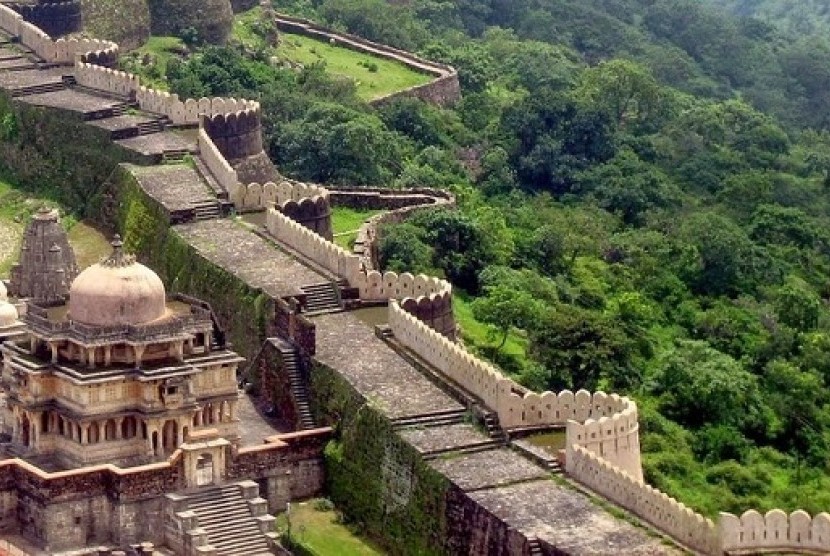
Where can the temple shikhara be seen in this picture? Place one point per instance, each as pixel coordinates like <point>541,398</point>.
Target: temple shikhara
<point>117,373</point>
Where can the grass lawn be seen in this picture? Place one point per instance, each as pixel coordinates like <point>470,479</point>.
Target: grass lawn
<point>346,221</point>
<point>320,534</point>
<point>16,206</point>
<point>160,50</point>
<point>373,76</point>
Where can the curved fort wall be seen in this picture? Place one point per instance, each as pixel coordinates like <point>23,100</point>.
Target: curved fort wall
<point>443,90</point>
<point>602,450</point>
<point>430,297</point>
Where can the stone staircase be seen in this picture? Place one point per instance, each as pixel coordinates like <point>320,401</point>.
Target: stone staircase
<point>323,297</point>
<point>38,89</point>
<point>228,520</point>
<point>471,448</point>
<point>174,156</point>
<point>206,210</point>
<point>534,547</point>
<point>146,128</point>
<point>291,362</point>
<point>436,419</point>
<point>493,427</point>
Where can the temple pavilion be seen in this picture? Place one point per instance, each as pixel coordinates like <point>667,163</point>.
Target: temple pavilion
<point>116,372</point>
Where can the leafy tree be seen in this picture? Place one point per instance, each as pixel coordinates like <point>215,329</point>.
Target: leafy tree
<point>629,187</point>
<point>505,308</point>
<point>580,348</point>
<point>401,249</point>
<point>554,138</point>
<point>699,385</point>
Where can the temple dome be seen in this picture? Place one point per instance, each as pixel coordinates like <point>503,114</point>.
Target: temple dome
<point>8,314</point>
<point>117,291</point>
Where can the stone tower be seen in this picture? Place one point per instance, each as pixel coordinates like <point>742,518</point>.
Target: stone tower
<point>47,263</point>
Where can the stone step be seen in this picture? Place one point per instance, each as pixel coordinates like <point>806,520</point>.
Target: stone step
<point>147,128</point>
<point>466,450</point>
<point>430,419</point>
<point>472,447</point>
<point>38,89</point>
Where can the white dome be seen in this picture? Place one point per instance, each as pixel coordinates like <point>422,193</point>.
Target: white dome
<point>117,291</point>
<point>8,314</point>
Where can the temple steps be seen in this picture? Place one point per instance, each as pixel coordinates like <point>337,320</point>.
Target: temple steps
<point>323,297</point>
<point>534,547</point>
<point>227,520</point>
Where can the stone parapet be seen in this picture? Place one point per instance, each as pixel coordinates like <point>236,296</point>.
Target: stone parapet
<point>646,502</point>
<point>775,531</point>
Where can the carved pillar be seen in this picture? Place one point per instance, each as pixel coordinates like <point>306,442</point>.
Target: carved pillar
<point>216,413</point>
<point>232,411</point>
<point>118,423</point>
<point>54,347</point>
<point>180,350</point>
<point>107,355</point>
<point>91,357</point>
<point>32,344</point>
<point>139,352</point>
<point>85,433</point>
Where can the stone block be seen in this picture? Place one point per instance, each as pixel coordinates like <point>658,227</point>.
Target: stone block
<point>249,489</point>
<point>258,506</point>
<point>267,523</point>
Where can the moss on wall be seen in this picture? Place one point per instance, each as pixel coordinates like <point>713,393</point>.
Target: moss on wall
<point>126,22</point>
<point>53,153</point>
<point>380,482</point>
<point>244,312</point>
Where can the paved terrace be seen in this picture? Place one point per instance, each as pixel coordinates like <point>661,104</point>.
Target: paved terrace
<point>174,186</point>
<point>234,247</point>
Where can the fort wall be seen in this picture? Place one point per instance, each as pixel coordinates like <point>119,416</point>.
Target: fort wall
<point>427,296</point>
<point>602,423</point>
<point>665,513</point>
<point>306,204</point>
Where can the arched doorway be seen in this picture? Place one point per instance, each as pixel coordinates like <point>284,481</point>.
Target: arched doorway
<point>168,436</point>
<point>204,470</point>
<point>25,430</point>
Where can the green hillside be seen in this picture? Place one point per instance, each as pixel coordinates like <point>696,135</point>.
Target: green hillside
<point>643,190</point>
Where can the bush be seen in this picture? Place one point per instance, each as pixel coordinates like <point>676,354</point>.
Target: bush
<point>323,505</point>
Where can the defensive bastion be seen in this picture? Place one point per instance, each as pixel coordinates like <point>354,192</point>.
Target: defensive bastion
<point>372,387</point>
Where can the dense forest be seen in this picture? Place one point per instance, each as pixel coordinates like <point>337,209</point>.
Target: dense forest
<point>644,208</point>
